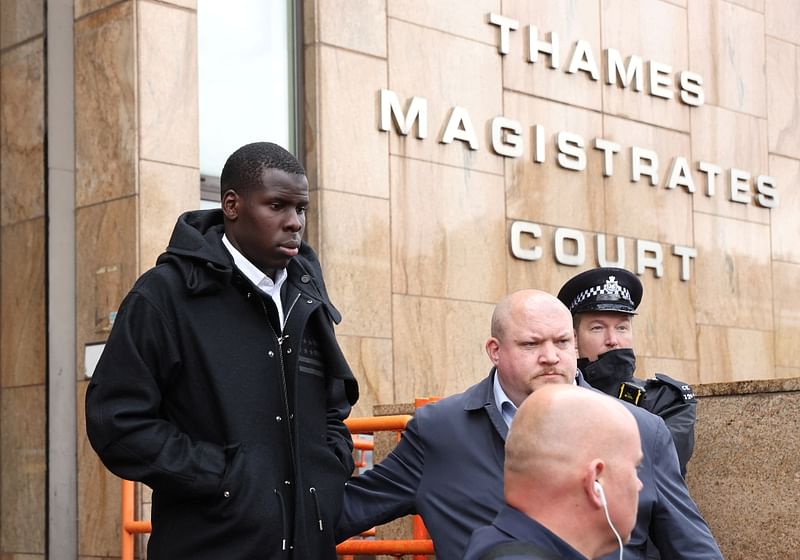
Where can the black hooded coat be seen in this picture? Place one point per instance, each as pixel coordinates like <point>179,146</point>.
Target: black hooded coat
<point>236,425</point>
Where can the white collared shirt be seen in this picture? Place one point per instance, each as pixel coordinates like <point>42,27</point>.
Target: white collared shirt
<point>257,277</point>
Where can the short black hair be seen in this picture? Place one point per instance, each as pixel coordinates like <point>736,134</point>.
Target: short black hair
<point>245,166</point>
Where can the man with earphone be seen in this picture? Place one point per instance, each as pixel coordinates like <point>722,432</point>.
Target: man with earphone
<point>556,475</point>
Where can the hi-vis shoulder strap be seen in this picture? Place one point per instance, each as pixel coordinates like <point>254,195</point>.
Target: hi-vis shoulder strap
<point>505,550</point>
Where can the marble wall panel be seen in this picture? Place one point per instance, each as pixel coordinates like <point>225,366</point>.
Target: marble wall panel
<point>106,266</point>
<point>24,469</point>
<point>665,326</point>
<point>356,259</point>
<point>22,77</point>
<point>371,362</point>
<point>99,495</point>
<point>358,26</point>
<point>438,345</point>
<point>84,7</point>
<point>448,72</point>
<point>785,280</point>
<point>785,225</point>
<point>20,20</point>
<point>571,21</point>
<point>22,301</point>
<point>165,192</point>
<point>743,473</point>
<point>639,209</point>
<point>727,48</point>
<point>783,108</point>
<point>732,273</point>
<point>683,370</point>
<point>782,17</point>
<point>546,192</point>
<point>729,139</point>
<point>655,31</point>
<point>755,5</point>
<point>681,3</point>
<point>733,354</point>
<point>448,232</point>
<point>105,107</point>
<point>466,19</point>
<point>787,373</point>
<point>352,153</point>
<point>167,60</point>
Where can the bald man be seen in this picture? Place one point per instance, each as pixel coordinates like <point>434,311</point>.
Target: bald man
<point>448,467</point>
<point>561,480</point>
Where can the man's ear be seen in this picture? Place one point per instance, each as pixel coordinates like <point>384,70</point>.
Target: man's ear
<point>492,346</point>
<point>230,204</point>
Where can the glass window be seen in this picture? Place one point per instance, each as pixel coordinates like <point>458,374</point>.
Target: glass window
<point>247,80</point>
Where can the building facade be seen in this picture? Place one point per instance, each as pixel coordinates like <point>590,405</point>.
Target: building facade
<point>456,151</point>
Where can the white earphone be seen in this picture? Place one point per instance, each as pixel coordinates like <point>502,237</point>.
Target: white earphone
<point>602,495</point>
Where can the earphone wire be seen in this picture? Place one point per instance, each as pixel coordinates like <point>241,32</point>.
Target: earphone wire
<point>613,529</point>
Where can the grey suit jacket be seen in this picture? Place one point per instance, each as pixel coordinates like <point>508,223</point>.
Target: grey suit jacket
<point>448,467</point>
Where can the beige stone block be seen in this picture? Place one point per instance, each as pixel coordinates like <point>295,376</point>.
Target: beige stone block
<point>165,192</point>
<point>639,209</point>
<point>571,21</point>
<point>655,31</point>
<point>734,354</point>
<point>729,139</point>
<point>448,232</point>
<point>465,19</point>
<point>358,26</point>
<point>743,474</point>
<point>681,370</point>
<point>727,48</point>
<point>371,362</point>
<point>785,280</point>
<point>783,19</point>
<point>787,373</point>
<point>99,495</point>
<point>448,72</point>
<point>352,152</point>
<point>540,192</point>
<point>667,297</point>
<point>84,7</point>
<point>438,345</point>
<point>783,112</point>
<point>785,224</point>
<point>167,49</point>
<point>755,5</point>
<point>681,3</point>
<point>732,274</point>
<point>24,469</point>
<point>356,259</point>
<point>105,108</point>
<point>20,20</point>
<point>22,77</point>
<point>106,266</point>
<point>22,300</point>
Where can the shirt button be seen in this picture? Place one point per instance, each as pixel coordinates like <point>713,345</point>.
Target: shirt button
<point>288,350</point>
<point>271,354</point>
<point>305,278</point>
<point>278,418</point>
<point>226,494</point>
<point>287,482</point>
<point>309,301</point>
<point>291,417</point>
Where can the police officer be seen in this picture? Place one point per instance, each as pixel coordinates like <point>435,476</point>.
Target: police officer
<point>603,302</point>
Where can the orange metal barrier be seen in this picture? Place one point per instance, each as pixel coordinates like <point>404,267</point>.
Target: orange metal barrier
<point>421,546</point>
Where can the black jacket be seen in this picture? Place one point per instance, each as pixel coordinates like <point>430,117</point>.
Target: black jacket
<point>670,399</point>
<point>236,426</point>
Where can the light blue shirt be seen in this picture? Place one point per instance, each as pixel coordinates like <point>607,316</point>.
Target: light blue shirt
<point>507,408</point>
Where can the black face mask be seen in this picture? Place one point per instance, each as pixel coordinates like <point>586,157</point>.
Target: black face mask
<point>609,370</point>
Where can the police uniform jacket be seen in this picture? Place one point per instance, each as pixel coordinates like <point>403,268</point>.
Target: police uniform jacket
<point>515,536</point>
<point>448,467</point>
<point>672,400</point>
<point>235,424</point>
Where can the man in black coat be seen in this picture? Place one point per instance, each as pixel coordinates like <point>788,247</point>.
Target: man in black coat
<point>222,386</point>
<point>603,302</point>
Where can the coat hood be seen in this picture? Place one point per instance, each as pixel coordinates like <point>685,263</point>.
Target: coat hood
<point>610,369</point>
<point>196,250</point>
